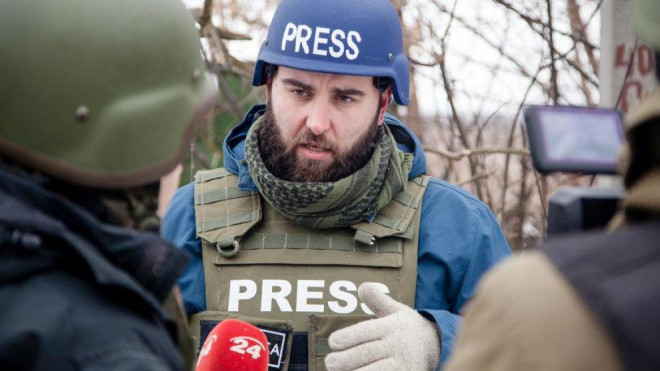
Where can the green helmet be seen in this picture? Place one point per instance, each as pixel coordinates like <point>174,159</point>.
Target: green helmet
<point>100,93</point>
<point>646,20</point>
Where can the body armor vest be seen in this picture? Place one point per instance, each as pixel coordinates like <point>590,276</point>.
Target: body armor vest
<point>618,277</point>
<point>298,284</point>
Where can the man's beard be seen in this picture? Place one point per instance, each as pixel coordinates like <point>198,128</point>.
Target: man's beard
<point>286,165</point>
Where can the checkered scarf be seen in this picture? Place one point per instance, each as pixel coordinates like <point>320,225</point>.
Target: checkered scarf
<point>333,204</point>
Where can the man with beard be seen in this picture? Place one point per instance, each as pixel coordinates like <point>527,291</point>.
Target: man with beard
<point>324,192</point>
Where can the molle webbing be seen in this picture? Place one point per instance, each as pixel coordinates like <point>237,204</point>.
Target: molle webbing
<point>395,218</point>
<point>270,249</point>
<point>233,213</point>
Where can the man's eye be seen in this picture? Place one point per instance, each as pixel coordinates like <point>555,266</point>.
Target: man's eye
<point>345,98</point>
<point>299,92</point>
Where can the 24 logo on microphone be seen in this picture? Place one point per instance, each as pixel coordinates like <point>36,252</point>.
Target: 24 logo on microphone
<point>249,345</point>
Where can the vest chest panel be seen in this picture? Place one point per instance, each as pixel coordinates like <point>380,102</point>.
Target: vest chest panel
<point>285,271</point>
<point>296,276</point>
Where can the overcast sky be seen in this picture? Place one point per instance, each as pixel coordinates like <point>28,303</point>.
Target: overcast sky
<point>483,80</point>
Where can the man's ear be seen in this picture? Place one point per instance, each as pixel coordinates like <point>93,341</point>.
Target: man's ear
<point>385,98</point>
<point>269,86</point>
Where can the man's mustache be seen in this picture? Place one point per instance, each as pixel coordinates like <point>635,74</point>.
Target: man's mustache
<point>307,138</point>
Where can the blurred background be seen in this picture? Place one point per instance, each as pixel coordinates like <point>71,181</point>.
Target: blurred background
<point>475,65</point>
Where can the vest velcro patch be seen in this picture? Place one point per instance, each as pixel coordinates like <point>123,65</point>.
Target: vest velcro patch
<point>223,211</point>
<point>395,218</point>
<point>331,241</point>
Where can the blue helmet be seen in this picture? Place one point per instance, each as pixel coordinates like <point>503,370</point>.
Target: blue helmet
<point>347,37</point>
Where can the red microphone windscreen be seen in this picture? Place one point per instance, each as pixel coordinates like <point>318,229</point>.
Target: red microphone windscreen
<point>234,345</point>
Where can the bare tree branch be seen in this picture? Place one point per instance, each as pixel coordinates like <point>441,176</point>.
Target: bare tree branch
<point>455,156</point>
<point>532,22</point>
<point>205,18</point>
<point>475,178</point>
<point>509,143</point>
<point>477,32</point>
<point>578,29</point>
<point>553,52</point>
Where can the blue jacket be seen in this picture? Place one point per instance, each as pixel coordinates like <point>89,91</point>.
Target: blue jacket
<point>459,238</point>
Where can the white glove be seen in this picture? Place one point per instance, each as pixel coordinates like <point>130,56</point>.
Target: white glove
<point>399,339</point>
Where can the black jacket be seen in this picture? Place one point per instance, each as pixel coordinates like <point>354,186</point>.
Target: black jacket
<point>618,277</point>
<point>77,294</point>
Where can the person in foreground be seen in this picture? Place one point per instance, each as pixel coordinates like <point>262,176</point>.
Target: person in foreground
<point>97,98</point>
<point>323,191</point>
<point>589,301</point>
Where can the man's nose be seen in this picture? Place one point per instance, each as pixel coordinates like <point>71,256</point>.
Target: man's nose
<point>318,119</point>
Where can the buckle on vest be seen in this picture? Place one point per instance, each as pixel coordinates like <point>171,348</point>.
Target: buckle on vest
<point>364,237</point>
<point>228,247</point>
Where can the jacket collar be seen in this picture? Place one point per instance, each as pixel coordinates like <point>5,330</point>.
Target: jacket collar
<point>30,215</point>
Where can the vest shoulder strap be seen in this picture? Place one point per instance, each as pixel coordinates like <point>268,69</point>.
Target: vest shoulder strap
<point>395,218</point>
<point>223,211</point>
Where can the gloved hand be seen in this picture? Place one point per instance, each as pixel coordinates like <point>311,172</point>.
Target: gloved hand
<point>399,339</point>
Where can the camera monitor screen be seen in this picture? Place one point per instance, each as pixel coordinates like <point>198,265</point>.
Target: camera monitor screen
<point>574,139</point>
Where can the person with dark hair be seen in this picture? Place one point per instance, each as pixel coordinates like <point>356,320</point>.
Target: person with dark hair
<point>324,206</point>
<point>590,301</point>
<point>98,99</point>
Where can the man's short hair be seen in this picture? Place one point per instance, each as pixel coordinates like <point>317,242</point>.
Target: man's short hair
<point>381,83</point>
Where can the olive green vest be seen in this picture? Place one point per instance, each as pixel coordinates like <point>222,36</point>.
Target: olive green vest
<point>265,269</point>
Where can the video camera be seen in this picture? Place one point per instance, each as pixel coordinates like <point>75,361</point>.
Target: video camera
<point>581,140</point>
